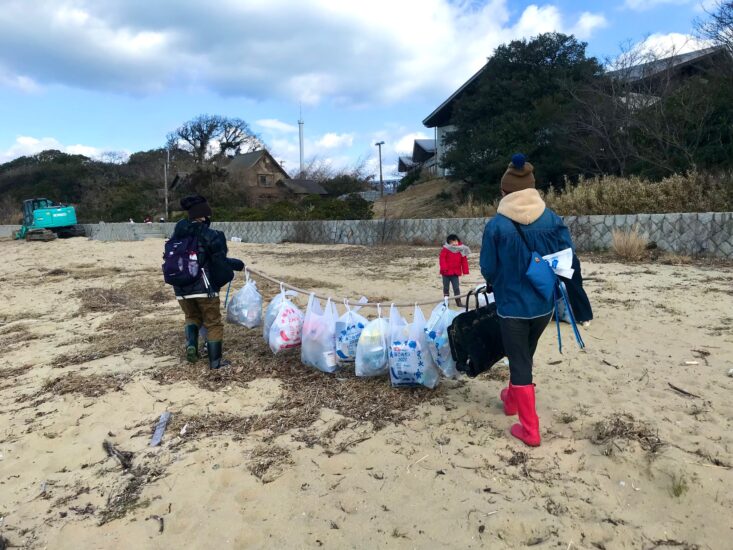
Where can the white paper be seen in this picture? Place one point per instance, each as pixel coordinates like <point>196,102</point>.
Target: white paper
<point>562,262</point>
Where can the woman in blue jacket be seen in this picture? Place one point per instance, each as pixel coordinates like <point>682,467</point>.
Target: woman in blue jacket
<point>523,312</point>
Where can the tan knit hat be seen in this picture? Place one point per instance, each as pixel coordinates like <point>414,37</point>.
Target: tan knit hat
<point>518,176</point>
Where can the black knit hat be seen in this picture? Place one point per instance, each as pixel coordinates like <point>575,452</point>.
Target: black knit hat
<point>196,206</point>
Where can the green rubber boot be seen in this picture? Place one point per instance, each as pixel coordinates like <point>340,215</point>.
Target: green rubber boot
<point>215,360</point>
<point>192,343</point>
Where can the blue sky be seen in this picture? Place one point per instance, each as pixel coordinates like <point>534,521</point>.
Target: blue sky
<point>91,76</point>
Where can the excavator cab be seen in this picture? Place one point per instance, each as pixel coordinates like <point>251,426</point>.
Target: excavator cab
<point>44,219</point>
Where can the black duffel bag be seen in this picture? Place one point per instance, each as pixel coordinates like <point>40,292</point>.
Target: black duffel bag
<point>475,337</point>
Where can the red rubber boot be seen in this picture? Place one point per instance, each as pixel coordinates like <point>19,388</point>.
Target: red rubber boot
<point>510,405</point>
<point>528,429</point>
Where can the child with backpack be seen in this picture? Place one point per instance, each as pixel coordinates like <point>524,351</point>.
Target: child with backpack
<point>453,264</point>
<point>196,265</point>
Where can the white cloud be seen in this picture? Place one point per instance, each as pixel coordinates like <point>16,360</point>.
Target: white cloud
<point>28,145</point>
<point>406,142</point>
<point>343,52</point>
<point>275,125</point>
<point>664,45</point>
<point>332,140</point>
<point>587,24</point>
<point>643,5</point>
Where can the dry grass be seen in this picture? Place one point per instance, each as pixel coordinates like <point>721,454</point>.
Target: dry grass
<point>471,208</point>
<point>629,245</point>
<point>692,192</point>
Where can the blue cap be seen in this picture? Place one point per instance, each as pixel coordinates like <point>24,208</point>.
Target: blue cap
<point>518,160</point>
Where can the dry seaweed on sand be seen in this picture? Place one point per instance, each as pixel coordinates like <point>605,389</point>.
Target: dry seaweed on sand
<point>124,457</point>
<point>624,427</point>
<point>13,372</point>
<point>158,336</point>
<point>92,385</point>
<point>268,461</point>
<point>136,295</point>
<point>305,390</point>
<point>128,497</point>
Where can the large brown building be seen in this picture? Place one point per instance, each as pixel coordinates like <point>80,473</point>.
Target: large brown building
<point>265,180</point>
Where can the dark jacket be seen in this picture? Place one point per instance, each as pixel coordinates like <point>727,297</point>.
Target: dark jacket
<point>505,258</point>
<point>212,255</point>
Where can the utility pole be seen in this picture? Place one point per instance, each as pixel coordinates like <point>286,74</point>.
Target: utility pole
<point>300,134</point>
<point>381,181</point>
<point>165,180</point>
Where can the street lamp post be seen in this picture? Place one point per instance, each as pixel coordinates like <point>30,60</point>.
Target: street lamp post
<point>381,181</point>
<point>165,180</point>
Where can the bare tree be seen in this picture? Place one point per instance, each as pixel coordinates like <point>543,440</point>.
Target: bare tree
<point>640,115</point>
<point>211,137</point>
<point>718,28</point>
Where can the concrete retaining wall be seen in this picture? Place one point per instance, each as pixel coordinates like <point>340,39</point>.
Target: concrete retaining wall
<point>689,234</point>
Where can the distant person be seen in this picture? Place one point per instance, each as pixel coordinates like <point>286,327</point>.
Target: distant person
<point>132,221</point>
<point>148,219</point>
<point>453,264</point>
<point>524,313</point>
<point>200,299</point>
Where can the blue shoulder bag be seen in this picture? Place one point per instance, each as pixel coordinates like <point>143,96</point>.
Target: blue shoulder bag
<point>546,283</point>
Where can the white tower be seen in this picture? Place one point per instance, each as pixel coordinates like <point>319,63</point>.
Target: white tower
<point>300,131</point>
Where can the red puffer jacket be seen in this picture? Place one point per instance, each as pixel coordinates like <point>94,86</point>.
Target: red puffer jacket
<point>452,263</point>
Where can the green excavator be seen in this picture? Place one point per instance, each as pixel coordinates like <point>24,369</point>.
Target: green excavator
<point>45,220</point>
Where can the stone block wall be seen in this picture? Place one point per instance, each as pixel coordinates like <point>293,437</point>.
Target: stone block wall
<point>689,234</point>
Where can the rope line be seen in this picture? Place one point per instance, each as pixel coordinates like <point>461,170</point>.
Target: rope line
<point>354,302</point>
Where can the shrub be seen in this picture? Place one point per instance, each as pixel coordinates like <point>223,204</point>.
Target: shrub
<point>473,208</point>
<point>411,178</point>
<point>693,192</point>
<point>629,245</point>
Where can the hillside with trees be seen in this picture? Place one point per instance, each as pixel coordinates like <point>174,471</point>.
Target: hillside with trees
<point>116,189</point>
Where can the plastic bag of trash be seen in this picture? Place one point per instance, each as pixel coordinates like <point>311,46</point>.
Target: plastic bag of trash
<point>436,331</point>
<point>245,307</point>
<point>348,329</point>
<point>373,348</point>
<point>286,331</point>
<point>271,311</point>
<point>410,362</point>
<point>484,298</point>
<point>319,336</point>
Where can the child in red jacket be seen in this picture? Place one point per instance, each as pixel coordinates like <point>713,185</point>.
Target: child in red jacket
<point>453,264</point>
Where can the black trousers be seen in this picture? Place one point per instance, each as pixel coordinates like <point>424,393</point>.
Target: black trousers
<point>448,281</point>
<point>520,337</point>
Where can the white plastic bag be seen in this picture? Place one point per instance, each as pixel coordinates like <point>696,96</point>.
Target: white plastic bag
<point>373,348</point>
<point>410,362</point>
<point>271,311</point>
<point>245,307</point>
<point>286,331</point>
<point>562,262</point>
<point>319,336</point>
<point>484,299</point>
<point>436,331</point>
<point>348,329</point>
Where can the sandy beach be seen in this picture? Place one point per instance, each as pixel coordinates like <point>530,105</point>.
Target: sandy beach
<point>637,430</point>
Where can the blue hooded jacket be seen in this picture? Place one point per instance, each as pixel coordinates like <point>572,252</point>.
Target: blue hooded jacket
<point>505,258</point>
